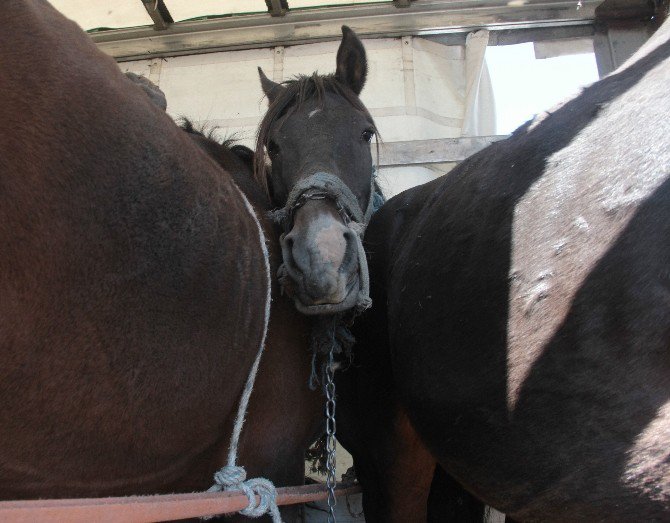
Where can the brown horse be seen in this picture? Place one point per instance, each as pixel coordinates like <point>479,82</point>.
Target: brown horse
<point>520,334</point>
<point>133,284</point>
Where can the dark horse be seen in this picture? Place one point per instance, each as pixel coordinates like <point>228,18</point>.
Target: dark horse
<point>520,335</point>
<point>133,283</point>
<point>317,124</point>
<point>317,135</point>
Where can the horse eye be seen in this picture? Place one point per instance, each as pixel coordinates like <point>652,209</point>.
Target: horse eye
<point>367,135</point>
<point>273,148</point>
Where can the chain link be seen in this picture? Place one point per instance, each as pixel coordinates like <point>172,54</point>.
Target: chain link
<point>331,444</point>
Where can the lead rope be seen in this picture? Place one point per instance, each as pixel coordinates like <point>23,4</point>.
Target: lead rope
<point>232,476</point>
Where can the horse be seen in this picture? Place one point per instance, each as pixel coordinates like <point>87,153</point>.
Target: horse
<point>134,286</point>
<point>519,334</point>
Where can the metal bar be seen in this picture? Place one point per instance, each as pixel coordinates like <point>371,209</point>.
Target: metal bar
<point>614,45</point>
<point>416,152</point>
<point>314,25</point>
<point>159,14</point>
<point>622,26</point>
<point>139,509</point>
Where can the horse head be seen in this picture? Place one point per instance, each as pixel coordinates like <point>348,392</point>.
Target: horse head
<point>317,135</point>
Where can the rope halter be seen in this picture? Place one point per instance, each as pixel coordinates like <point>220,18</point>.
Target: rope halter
<point>320,186</point>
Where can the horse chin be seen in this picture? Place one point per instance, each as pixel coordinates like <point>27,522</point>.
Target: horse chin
<point>310,308</point>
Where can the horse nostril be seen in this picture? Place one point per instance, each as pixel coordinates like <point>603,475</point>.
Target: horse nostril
<point>289,242</point>
<point>293,255</point>
<point>351,253</point>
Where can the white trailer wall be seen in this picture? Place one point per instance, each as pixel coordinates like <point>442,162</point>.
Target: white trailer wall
<point>416,90</point>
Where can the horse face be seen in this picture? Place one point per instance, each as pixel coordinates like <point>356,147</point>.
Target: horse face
<point>319,146</point>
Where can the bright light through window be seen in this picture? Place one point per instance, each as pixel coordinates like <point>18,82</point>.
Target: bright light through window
<point>524,86</point>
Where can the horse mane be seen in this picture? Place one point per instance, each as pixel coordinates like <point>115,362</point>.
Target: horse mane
<point>294,94</point>
<point>237,159</point>
<point>207,131</point>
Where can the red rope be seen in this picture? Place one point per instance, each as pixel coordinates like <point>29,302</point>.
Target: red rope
<point>146,509</point>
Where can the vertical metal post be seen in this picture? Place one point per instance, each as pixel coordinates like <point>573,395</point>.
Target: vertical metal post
<point>622,26</point>
<point>159,14</point>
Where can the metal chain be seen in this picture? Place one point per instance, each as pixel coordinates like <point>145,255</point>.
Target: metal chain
<point>331,444</point>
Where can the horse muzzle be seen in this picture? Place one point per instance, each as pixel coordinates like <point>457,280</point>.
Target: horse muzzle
<point>321,260</point>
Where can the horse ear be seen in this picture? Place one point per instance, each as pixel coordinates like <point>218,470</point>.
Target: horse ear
<point>151,89</point>
<point>270,88</point>
<point>352,65</point>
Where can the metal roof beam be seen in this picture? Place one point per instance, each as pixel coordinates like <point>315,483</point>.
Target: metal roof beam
<point>159,14</point>
<point>314,25</point>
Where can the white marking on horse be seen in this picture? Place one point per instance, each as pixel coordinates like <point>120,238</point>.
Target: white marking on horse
<point>581,223</point>
<point>312,113</point>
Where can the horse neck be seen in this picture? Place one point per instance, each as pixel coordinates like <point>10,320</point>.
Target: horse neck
<point>239,170</point>
<point>251,189</point>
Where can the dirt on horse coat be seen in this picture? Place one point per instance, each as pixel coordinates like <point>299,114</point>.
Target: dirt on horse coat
<point>132,281</point>
<point>520,331</point>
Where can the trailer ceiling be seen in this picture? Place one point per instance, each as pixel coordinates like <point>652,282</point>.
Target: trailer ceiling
<point>136,29</point>
<point>100,15</point>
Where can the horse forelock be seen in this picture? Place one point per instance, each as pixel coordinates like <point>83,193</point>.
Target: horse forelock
<point>295,93</point>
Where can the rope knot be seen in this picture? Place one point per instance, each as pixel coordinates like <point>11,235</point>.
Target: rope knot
<point>279,216</point>
<point>232,477</point>
<point>267,502</point>
<point>229,477</point>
